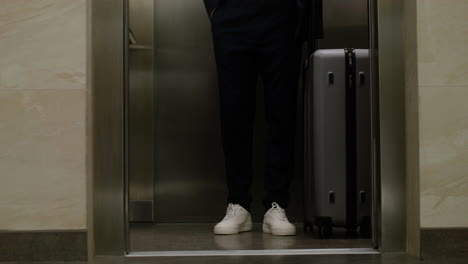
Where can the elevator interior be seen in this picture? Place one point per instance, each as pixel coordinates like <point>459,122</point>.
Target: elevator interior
<point>176,187</point>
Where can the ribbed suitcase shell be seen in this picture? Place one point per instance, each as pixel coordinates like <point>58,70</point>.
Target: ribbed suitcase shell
<point>326,144</point>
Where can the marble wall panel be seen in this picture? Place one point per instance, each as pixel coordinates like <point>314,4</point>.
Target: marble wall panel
<point>42,159</point>
<point>444,156</point>
<point>42,113</point>
<point>443,42</point>
<point>42,44</point>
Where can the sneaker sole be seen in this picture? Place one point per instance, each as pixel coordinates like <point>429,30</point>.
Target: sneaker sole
<point>232,231</point>
<point>276,232</point>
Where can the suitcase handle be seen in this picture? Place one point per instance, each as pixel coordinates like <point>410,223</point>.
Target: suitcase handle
<point>331,78</point>
<point>362,78</point>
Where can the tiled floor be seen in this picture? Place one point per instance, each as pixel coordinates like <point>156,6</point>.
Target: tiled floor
<point>169,237</point>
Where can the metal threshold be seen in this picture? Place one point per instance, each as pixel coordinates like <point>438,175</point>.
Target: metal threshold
<point>268,252</point>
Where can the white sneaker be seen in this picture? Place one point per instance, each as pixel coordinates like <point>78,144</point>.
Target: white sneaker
<point>276,222</point>
<point>237,220</point>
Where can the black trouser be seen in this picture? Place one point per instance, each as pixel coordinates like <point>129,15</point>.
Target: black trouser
<point>252,39</point>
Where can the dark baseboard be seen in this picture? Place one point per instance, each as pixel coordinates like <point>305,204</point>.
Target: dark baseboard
<point>437,243</point>
<point>28,246</point>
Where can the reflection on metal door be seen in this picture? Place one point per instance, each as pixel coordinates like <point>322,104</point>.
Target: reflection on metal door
<point>182,176</point>
<point>189,165</point>
<point>140,111</point>
<point>189,160</point>
<point>345,24</point>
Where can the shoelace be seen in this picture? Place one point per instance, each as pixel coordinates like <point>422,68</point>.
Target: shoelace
<point>276,209</point>
<point>231,211</point>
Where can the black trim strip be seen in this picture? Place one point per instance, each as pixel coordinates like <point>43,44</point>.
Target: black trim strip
<point>37,246</point>
<point>443,243</point>
<point>351,148</point>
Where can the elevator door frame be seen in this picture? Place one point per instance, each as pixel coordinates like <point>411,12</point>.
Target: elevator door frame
<point>107,110</point>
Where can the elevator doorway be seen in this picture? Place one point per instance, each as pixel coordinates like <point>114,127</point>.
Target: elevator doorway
<point>176,184</point>
<point>109,132</point>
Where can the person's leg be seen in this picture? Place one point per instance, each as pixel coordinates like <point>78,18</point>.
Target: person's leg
<point>280,74</point>
<point>237,76</point>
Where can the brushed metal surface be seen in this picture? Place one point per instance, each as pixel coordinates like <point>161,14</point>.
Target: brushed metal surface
<point>107,82</point>
<point>141,108</point>
<point>126,100</point>
<point>140,211</point>
<point>189,181</point>
<point>375,123</point>
<point>265,252</point>
<point>89,132</point>
<point>345,24</point>
<point>392,125</point>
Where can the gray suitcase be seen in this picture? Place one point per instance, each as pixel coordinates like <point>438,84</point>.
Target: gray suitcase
<point>338,142</point>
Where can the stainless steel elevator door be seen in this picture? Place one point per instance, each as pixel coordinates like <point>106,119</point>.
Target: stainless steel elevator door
<point>189,165</point>
<point>189,183</point>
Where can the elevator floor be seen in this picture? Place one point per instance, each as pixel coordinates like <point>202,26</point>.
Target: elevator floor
<point>182,237</point>
<point>328,259</point>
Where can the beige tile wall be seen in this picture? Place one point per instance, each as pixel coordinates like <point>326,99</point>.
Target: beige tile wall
<point>42,113</point>
<point>443,125</point>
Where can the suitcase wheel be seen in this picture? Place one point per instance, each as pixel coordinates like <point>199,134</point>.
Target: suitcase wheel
<point>324,227</point>
<point>365,229</point>
<point>325,231</point>
<point>308,227</point>
<point>351,232</point>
